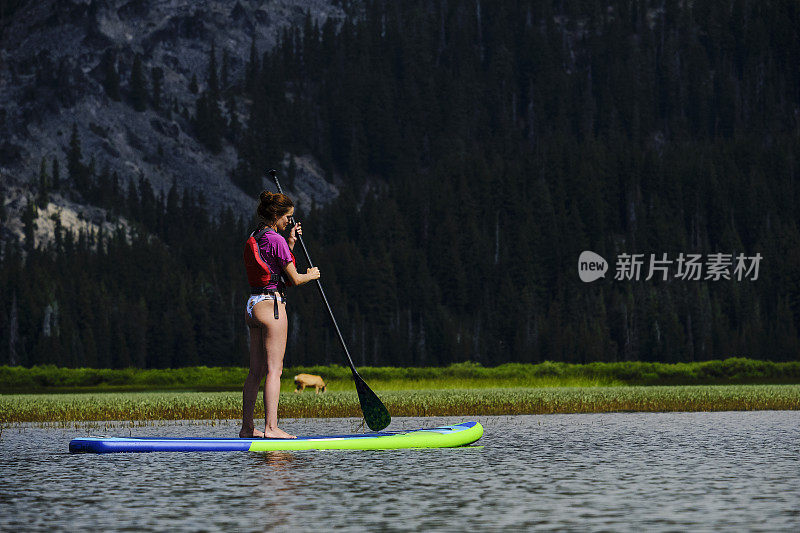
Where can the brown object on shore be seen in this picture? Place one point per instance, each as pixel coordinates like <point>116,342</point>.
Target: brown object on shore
<point>302,381</point>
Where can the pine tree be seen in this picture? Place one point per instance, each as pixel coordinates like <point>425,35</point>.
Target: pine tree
<point>29,216</point>
<point>13,331</point>
<point>91,170</point>
<point>225,72</point>
<point>77,171</point>
<point>44,197</point>
<point>56,174</point>
<point>208,122</point>
<point>133,207</point>
<point>213,77</point>
<point>205,124</point>
<point>110,75</point>
<point>138,94</point>
<point>251,72</point>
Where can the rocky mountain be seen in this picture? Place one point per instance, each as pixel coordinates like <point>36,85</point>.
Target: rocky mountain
<point>53,74</point>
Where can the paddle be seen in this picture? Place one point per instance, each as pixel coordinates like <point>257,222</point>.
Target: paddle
<point>375,413</point>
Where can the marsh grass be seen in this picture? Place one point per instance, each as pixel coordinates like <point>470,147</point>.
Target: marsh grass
<point>460,375</point>
<point>145,406</point>
<point>467,383</point>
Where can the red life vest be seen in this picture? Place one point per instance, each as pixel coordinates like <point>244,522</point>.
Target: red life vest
<point>258,271</point>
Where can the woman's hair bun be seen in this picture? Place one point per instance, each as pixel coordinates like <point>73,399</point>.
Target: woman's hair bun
<point>272,206</point>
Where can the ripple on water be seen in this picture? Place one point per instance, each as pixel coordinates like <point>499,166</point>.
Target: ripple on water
<point>617,471</point>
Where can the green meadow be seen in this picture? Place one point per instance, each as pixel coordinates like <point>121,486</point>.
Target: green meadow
<point>181,405</point>
<point>58,395</point>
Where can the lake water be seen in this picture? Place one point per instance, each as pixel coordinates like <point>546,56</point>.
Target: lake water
<point>619,472</point>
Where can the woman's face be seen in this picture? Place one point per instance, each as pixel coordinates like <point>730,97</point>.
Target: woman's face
<point>284,220</point>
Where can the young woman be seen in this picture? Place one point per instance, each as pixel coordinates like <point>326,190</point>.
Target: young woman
<point>267,255</point>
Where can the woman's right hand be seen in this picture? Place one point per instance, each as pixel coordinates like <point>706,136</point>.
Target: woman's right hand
<point>313,273</point>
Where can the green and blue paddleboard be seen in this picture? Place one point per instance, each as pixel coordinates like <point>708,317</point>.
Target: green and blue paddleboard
<point>440,437</point>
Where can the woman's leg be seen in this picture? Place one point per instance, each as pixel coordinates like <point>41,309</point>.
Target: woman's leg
<point>258,367</point>
<point>267,347</point>
<point>274,342</point>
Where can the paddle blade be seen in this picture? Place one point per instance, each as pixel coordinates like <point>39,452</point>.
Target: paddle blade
<point>375,413</point>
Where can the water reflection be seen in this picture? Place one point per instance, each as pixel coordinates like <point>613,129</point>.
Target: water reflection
<point>279,461</point>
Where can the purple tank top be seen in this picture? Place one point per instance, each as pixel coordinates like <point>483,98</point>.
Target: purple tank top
<point>274,251</point>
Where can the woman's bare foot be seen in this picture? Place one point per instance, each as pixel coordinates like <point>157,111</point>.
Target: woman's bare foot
<point>277,433</point>
<point>254,434</point>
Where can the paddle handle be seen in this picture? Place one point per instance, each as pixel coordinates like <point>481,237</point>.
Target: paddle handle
<point>274,174</point>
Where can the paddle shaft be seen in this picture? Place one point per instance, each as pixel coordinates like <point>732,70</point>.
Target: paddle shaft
<point>319,284</point>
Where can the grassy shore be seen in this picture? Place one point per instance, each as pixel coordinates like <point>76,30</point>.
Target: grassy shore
<point>50,394</point>
<point>140,406</point>
<point>458,376</point>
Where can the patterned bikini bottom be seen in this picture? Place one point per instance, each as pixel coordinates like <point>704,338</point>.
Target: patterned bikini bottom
<point>256,298</point>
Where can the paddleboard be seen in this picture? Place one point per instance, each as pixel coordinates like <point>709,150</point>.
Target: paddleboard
<point>439,437</point>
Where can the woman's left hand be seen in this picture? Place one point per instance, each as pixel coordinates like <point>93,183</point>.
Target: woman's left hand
<point>295,232</point>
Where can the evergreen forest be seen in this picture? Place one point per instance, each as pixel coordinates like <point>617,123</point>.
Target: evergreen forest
<point>480,147</point>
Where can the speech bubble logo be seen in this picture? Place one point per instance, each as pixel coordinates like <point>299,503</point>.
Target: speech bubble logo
<point>591,266</point>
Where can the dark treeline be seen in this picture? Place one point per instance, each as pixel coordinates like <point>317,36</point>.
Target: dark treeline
<point>155,295</point>
<point>483,146</point>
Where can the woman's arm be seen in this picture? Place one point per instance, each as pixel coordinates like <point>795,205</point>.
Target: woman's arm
<point>291,271</point>
<point>298,278</point>
<point>293,234</point>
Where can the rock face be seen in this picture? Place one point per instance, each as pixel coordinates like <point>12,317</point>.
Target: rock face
<point>51,76</point>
